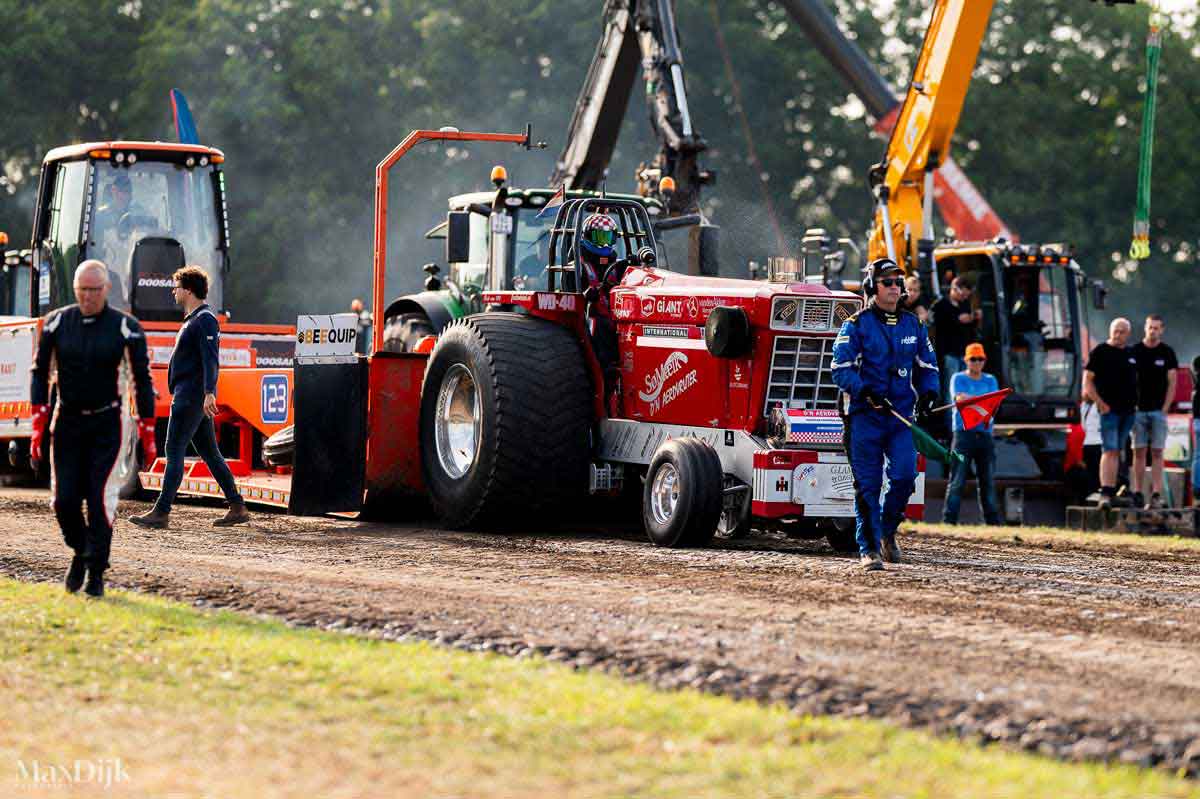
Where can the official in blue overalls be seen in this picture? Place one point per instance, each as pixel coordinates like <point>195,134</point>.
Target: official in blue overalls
<point>882,360</point>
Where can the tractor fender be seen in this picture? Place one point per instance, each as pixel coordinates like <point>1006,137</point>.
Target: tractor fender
<point>430,303</point>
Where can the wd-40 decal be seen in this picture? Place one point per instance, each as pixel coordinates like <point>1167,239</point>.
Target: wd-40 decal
<point>556,302</point>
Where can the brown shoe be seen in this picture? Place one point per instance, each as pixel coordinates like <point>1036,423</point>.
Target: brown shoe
<point>891,551</point>
<point>237,514</point>
<point>871,562</point>
<point>154,518</point>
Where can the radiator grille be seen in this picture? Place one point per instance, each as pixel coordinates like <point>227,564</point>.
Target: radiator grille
<point>801,377</point>
<point>816,315</point>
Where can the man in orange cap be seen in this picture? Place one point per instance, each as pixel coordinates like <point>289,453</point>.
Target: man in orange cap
<point>974,445</point>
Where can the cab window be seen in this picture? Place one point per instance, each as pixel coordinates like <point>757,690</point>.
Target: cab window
<point>59,254</point>
<point>472,273</point>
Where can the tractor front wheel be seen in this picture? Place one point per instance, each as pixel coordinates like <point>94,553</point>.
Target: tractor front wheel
<point>683,494</point>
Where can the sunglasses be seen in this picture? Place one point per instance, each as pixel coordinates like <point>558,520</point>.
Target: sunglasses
<point>971,360</point>
<point>890,282</point>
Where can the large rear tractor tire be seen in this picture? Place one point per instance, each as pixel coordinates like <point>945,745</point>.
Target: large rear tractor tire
<point>401,333</point>
<point>506,411</point>
<point>682,498</point>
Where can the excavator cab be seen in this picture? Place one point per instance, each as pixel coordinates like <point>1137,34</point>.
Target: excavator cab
<point>16,289</point>
<point>1031,314</point>
<point>142,208</point>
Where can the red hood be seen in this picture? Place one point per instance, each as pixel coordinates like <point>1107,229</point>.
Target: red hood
<point>663,281</point>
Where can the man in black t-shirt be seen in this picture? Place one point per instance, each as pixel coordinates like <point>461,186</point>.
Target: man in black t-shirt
<point>1111,381</point>
<point>1156,365</point>
<point>953,329</point>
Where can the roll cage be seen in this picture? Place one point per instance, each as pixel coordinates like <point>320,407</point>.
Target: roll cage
<point>635,234</point>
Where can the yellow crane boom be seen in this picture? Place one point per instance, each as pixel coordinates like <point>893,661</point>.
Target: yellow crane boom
<point>920,141</point>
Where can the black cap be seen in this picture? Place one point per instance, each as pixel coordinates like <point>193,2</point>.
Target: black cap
<point>882,266</point>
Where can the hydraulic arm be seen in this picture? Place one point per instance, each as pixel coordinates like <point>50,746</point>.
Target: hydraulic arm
<point>636,33</point>
<point>962,206</point>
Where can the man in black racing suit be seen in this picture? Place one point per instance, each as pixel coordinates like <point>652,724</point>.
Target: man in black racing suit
<point>88,343</point>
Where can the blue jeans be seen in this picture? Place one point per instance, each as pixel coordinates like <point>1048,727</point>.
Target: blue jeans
<point>1196,461</point>
<point>189,425</point>
<point>978,448</point>
<point>870,435</point>
<point>1114,430</point>
<point>1149,430</point>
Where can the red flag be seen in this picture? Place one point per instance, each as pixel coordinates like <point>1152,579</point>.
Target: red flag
<point>979,410</point>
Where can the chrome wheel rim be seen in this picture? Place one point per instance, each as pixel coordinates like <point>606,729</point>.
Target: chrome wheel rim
<point>664,493</point>
<point>457,422</point>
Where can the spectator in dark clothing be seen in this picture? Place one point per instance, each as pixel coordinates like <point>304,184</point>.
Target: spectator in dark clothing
<point>914,300</point>
<point>953,329</point>
<point>1196,431</point>
<point>86,346</point>
<point>192,380</point>
<point>1111,381</point>
<point>1156,364</point>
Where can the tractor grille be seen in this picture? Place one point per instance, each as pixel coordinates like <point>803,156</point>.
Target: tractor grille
<point>801,377</point>
<point>816,314</point>
<point>810,314</point>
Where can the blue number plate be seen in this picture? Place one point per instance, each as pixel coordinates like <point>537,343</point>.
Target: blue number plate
<point>274,399</point>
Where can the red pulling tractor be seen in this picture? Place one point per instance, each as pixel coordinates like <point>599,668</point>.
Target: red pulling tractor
<point>715,393</point>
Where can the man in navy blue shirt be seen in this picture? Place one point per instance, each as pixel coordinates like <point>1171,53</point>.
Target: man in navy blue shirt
<point>192,381</point>
<point>975,445</point>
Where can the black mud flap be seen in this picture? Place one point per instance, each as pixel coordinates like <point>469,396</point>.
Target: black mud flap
<point>330,413</point>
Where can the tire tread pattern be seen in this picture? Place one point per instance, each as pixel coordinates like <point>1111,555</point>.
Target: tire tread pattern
<point>539,441</point>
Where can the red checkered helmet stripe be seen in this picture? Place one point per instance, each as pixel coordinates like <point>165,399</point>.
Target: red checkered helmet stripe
<point>599,222</point>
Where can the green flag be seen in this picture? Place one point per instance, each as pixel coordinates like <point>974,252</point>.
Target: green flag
<point>930,448</point>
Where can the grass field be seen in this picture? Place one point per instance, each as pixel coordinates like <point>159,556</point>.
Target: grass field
<point>1049,537</point>
<point>198,703</point>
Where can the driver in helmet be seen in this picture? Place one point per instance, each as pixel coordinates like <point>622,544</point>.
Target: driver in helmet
<point>598,254</point>
<point>597,257</point>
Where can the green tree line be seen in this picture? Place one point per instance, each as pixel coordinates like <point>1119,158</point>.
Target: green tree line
<point>306,96</point>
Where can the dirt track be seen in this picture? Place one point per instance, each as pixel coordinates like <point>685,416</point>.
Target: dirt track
<point>1073,652</point>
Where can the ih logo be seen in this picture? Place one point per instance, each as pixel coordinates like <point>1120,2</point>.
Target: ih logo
<point>781,484</point>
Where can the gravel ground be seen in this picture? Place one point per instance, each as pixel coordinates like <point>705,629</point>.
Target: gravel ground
<point>1070,651</point>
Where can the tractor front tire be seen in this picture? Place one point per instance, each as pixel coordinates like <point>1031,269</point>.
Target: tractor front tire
<point>682,497</point>
<point>506,411</point>
<point>840,535</point>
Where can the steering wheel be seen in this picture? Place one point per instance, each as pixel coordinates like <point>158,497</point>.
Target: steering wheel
<point>614,273</point>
